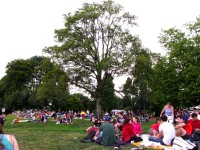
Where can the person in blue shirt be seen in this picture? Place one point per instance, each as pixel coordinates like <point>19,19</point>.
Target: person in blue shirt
<point>168,110</point>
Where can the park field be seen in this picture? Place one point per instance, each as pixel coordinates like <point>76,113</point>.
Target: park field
<point>52,136</point>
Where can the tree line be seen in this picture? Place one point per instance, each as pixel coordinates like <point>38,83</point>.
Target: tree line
<point>95,47</point>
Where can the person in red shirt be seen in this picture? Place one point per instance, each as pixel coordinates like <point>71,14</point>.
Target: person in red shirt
<point>194,122</point>
<point>154,128</point>
<point>128,133</point>
<point>183,129</point>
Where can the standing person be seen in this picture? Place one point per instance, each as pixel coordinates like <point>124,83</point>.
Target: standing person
<point>166,132</point>
<point>168,110</point>
<point>137,128</point>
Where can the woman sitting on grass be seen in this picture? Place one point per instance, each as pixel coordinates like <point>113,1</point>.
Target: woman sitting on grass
<point>128,133</point>
<point>137,126</point>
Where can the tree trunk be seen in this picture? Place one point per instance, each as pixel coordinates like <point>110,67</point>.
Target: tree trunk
<point>98,106</point>
<point>98,94</point>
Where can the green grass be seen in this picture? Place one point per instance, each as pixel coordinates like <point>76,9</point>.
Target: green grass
<point>52,136</point>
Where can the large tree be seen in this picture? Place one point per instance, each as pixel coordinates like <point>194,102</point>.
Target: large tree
<point>138,87</point>
<point>96,39</point>
<point>56,95</point>
<point>108,94</point>
<point>21,86</point>
<point>183,64</point>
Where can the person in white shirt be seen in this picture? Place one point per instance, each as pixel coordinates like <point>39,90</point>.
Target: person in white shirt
<point>166,132</point>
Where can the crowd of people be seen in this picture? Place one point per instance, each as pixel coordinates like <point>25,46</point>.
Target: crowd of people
<point>126,128</point>
<point>114,131</point>
<point>117,130</point>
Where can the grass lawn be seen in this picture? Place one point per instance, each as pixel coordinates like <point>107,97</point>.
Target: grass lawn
<point>52,136</point>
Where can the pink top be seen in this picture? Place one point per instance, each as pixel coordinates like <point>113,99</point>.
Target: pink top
<point>137,128</point>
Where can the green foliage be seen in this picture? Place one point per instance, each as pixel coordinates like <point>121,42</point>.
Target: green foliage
<point>78,102</point>
<point>56,95</point>
<point>137,88</point>
<point>182,66</point>
<point>17,74</point>
<point>95,40</point>
<point>108,95</point>
<point>33,83</point>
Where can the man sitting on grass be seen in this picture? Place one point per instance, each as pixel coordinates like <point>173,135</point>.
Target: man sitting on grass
<point>166,132</point>
<point>183,128</point>
<point>108,133</point>
<point>194,122</point>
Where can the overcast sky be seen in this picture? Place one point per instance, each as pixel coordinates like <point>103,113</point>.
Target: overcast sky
<point>27,26</point>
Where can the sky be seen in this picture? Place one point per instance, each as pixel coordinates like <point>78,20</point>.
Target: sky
<point>27,26</point>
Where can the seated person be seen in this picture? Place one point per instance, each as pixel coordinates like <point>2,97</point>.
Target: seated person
<point>43,118</point>
<point>113,121</point>
<point>154,128</point>
<point>120,120</point>
<point>183,128</point>
<point>8,142</point>
<point>137,126</point>
<point>94,128</point>
<point>62,120</point>
<point>166,132</point>
<point>16,120</point>
<point>194,122</point>
<point>98,122</point>
<point>91,132</point>
<point>108,133</point>
<point>128,133</point>
<point>68,118</point>
<point>1,125</point>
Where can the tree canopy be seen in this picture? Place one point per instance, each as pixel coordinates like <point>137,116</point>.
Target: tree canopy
<point>96,40</point>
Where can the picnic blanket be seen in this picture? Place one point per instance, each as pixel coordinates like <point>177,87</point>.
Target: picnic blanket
<point>24,120</point>
<point>158,147</point>
<point>150,144</point>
